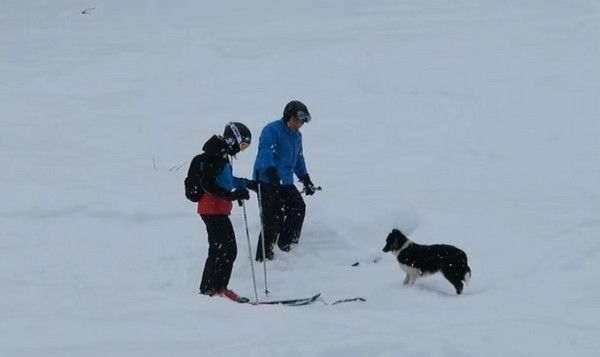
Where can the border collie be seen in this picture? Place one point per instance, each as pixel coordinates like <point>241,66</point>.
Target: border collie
<point>419,260</point>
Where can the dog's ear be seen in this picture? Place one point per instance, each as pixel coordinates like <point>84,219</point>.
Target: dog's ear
<point>396,230</point>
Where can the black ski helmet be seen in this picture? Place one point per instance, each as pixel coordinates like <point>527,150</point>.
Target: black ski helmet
<point>237,136</point>
<point>297,109</point>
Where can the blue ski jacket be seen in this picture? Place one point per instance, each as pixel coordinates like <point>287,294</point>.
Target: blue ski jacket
<point>279,147</point>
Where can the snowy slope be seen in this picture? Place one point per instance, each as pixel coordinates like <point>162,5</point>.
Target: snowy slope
<point>460,122</point>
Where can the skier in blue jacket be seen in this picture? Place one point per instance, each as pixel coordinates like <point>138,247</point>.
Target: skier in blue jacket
<point>279,158</point>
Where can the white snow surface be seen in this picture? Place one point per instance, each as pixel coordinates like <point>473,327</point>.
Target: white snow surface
<point>472,123</point>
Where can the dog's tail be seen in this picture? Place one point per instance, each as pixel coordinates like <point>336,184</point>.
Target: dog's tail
<point>467,276</point>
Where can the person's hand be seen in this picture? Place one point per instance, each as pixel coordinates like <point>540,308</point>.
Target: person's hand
<point>240,194</point>
<point>251,185</point>
<point>273,175</point>
<point>309,187</point>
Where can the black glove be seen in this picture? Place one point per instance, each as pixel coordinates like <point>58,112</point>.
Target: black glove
<point>309,187</point>
<point>251,185</point>
<point>240,194</point>
<point>273,175</point>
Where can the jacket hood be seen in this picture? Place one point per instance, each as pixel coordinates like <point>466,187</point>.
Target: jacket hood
<point>215,146</point>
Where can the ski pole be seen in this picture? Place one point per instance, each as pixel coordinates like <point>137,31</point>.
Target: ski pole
<point>241,203</point>
<point>249,250</point>
<point>262,237</point>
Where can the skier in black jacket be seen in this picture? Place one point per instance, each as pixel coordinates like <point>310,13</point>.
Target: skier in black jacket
<point>211,172</point>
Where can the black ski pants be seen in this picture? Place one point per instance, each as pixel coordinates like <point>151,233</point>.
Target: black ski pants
<point>283,211</point>
<point>222,251</point>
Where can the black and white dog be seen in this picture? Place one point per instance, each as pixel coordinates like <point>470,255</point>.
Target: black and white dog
<point>419,260</point>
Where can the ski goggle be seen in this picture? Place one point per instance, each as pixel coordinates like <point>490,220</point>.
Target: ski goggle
<point>244,145</point>
<point>302,116</point>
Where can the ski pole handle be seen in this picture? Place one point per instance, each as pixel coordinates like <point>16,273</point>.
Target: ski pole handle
<point>317,188</point>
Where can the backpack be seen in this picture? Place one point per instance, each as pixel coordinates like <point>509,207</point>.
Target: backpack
<point>193,189</point>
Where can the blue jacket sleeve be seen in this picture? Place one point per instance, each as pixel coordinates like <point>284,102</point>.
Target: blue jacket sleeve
<point>266,150</point>
<point>239,182</point>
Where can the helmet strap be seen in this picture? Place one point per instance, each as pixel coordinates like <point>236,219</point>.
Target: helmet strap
<point>236,133</point>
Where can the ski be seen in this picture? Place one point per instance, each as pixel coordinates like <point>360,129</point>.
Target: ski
<point>349,300</point>
<point>292,302</point>
<point>289,302</point>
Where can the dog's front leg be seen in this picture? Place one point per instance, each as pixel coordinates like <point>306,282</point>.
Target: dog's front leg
<point>406,279</point>
<point>411,274</point>
<point>412,278</point>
